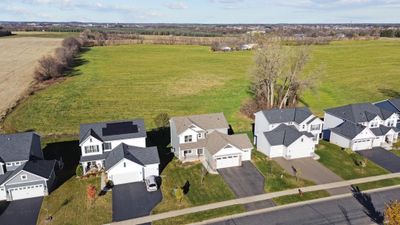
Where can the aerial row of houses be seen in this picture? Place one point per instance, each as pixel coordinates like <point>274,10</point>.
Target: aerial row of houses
<point>119,148</point>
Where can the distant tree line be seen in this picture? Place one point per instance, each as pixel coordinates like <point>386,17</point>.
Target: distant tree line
<point>391,33</point>
<point>55,66</point>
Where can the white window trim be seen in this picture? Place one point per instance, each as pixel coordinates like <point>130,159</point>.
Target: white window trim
<point>24,177</point>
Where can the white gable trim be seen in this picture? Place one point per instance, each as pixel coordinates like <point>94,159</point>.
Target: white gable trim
<point>302,136</point>
<point>90,136</point>
<point>121,161</point>
<point>233,146</point>
<point>10,178</point>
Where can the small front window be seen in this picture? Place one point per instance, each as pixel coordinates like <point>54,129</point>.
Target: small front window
<point>188,138</point>
<point>17,163</point>
<point>124,164</point>
<point>200,151</point>
<point>107,146</point>
<point>24,177</point>
<point>8,164</point>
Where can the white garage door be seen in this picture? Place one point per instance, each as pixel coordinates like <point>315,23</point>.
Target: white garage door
<point>124,178</point>
<point>228,161</point>
<point>24,192</point>
<point>362,144</point>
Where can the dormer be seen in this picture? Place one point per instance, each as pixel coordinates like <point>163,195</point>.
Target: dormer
<point>91,146</point>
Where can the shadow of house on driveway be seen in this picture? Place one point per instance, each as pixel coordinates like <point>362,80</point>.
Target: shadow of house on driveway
<point>68,155</point>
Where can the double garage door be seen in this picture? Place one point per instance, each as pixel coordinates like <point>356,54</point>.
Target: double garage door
<point>362,144</point>
<point>227,161</point>
<point>24,192</point>
<point>124,178</point>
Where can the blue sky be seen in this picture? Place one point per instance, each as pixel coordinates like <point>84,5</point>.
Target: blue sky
<point>203,11</point>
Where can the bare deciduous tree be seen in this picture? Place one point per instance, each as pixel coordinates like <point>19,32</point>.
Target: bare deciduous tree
<point>48,68</point>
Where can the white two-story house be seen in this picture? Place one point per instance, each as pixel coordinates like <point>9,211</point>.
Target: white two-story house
<point>361,126</point>
<point>205,137</point>
<point>391,105</point>
<point>118,148</point>
<point>290,133</point>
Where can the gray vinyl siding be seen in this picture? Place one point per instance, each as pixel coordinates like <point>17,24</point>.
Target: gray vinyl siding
<point>13,166</point>
<point>43,181</point>
<point>30,178</point>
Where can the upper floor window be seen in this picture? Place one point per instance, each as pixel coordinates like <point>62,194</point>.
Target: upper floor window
<point>24,177</point>
<point>9,164</point>
<point>303,127</point>
<point>390,123</point>
<point>17,163</point>
<point>91,149</point>
<point>107,146</point>
<point>315,127</point>
<point>374,124</point>
<point>188,138</point>
<point>199,135</point>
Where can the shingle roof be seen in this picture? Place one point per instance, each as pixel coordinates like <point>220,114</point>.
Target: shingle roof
<point>18,147</point>
<point>382,130</point>
<point>94,157</point>
<point>348,129</point>
<point>297,115</point>
<point>392,105</point>
<point>204,121</point>
<point>41,168</point>
<point>216,141</point>
<point>358,113</point>
<point>142,156</point>
<point>284,135</point>
<point>116,130</point>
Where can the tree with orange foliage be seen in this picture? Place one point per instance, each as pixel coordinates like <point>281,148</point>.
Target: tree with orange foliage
<point>91,192</point>
<point>392,213</point>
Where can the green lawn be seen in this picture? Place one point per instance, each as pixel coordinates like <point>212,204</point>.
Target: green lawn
<point>68,204</point>
<point>176,174</point>
<point>120,82</point>
<point>340,162</point>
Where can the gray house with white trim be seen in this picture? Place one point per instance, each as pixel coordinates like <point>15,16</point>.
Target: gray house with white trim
<point>23,172</point>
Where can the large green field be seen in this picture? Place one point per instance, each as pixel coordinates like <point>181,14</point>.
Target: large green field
<point>122,82</point>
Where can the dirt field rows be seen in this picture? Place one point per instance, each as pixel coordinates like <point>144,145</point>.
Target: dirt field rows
<point>18,58</point>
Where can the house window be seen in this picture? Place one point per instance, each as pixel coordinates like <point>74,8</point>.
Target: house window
<point>304,126</point>
<point>200,151</point>
<point>17,163</point>
<point>199,135</point>
<point>187,152</point>
<point>390,123</point>
<point>8,164</point>
<point>124,164</point>
<point>24,177</point>
<point>302,140</point>
<point>107,146</point>
<point>188,138</point>
<point>91,149</point>
<point>374,124</point>
<point>315,127</point>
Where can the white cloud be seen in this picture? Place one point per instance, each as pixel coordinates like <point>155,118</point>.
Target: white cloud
<point>176,5</point>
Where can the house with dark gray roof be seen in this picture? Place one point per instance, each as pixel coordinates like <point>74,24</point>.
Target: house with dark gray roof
<point>23,171</point>
<point>391,105</point>
<point>361,126</point>
<point>119,149</point>
<point>205,138</point>
<point>290,133</point>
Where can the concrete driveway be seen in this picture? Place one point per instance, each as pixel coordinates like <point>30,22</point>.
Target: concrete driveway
<point>132,200</point>
<point>245,181</point>
<point>312,170</point>
<point>20,212</point>
<point>383,158</point>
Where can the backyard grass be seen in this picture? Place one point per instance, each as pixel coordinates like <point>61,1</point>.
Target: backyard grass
<point>176,174</point>
<point>68,205</point>
<point>121,82</point>
<point>340,162</point>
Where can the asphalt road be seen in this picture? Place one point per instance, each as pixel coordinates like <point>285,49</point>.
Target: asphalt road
<point>356,210</point>
<point>246,181</point>
<point>383,158</point>
<point>133,200</point>
<point>312,170</point>
<point>24,212</point>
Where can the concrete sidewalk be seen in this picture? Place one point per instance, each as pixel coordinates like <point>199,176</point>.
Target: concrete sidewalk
<point>256,198</point>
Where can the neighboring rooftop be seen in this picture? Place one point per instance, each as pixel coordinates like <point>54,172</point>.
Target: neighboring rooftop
<point>42,168</point>
<point>392,105</point>
<point>18,147</point>
<point>216,141</point>
<point>204,121</point>
<point>348,129</point>
<point>116,130</point>
<point>284,135</point>
<point>141,156</point>
<point>358,113</point>
<point>297,115</point>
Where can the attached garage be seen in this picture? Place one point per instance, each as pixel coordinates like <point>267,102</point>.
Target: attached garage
<point>228,161</point>
<point>29,191</point>
<point>123,178</point>
<point>362,144</point>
